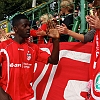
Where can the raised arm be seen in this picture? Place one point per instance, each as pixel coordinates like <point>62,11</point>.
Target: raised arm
<point>93,21</point>
<point>53,32</point>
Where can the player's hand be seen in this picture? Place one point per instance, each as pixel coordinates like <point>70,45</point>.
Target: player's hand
<point>52,30</point>
<point>4,95</point>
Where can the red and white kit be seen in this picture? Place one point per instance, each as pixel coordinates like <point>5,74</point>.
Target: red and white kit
<point>17,62</point>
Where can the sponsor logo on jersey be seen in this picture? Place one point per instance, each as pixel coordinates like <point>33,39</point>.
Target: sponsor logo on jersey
<point>28,56</point>
<point>97,82</point>
<point>23,65</point>
<point>15,65</point>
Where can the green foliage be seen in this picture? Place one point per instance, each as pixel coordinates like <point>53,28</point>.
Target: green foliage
<point>10,7</point>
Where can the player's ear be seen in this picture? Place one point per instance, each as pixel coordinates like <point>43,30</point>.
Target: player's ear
<point>15,29</point>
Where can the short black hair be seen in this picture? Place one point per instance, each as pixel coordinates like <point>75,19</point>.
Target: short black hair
<point>17,18</point>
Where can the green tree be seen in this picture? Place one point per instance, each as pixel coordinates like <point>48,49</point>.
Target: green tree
<point>10,7</point>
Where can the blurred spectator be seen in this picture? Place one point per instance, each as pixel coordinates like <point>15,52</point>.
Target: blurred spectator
<point>90,5</point>
<point>41,31</point>
<point>75,13</point>
<point>93,21</point>
<point>34,25</point>
<point>94,72</point>
<point>66,10</point>
<point>4,36</point>
<point>78,9</point>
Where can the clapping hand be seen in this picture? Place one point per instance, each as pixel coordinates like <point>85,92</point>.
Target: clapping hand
<point>93,21</point>
<point>62,29</point>
<point>51,29</point>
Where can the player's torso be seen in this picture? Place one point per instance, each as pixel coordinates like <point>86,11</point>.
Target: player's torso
<point>17,68</point>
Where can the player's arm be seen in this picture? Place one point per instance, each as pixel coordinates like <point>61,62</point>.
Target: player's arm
<point>0,64</point>
<point>53,32</point>
<point>4,95</point>
<point>54,57</point>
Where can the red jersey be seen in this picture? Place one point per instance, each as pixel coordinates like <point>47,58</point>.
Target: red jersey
<point>18,68</point>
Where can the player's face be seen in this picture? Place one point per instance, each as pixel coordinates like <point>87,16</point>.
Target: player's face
<point>23,28</point>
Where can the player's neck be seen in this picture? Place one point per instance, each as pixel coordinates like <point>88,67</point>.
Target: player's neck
<point>19,40</point>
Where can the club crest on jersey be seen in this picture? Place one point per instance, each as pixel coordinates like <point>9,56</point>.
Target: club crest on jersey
<point>97,82</point>
<point>28,56</point>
